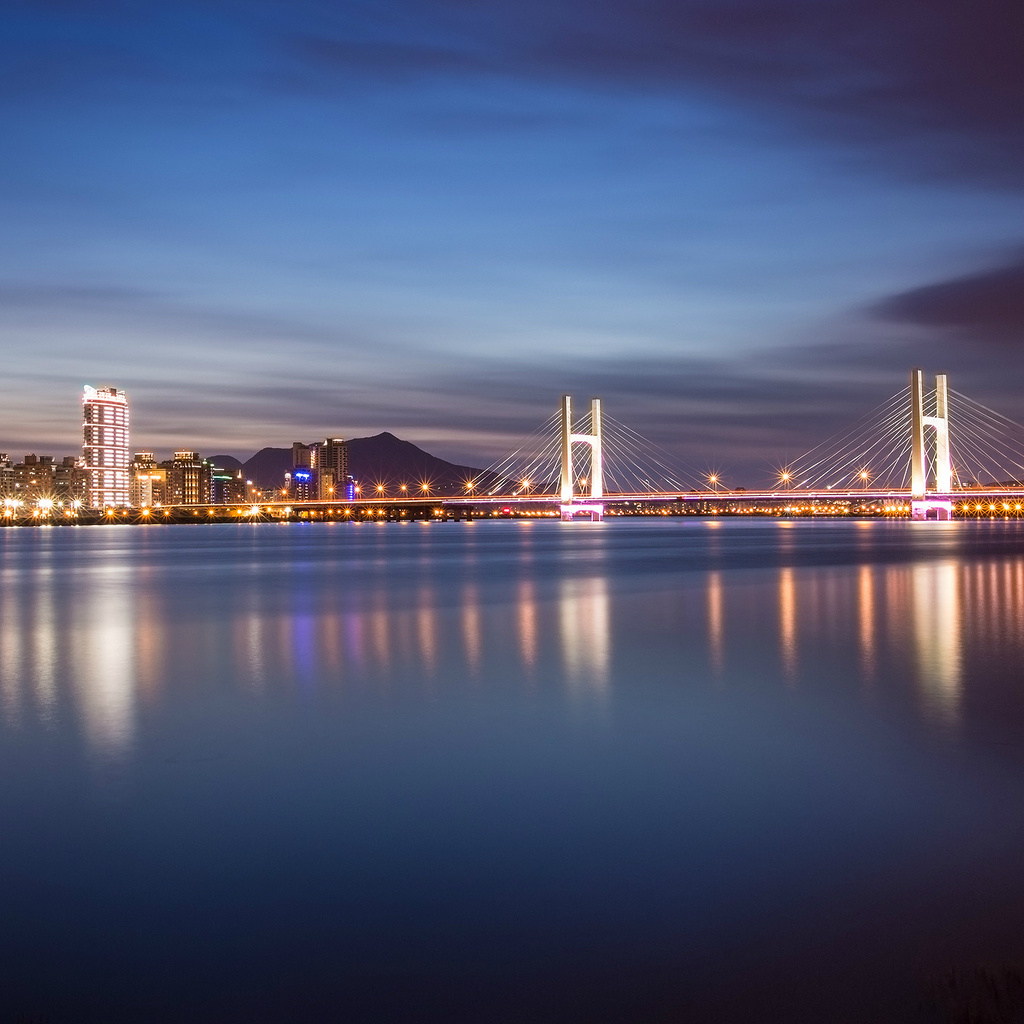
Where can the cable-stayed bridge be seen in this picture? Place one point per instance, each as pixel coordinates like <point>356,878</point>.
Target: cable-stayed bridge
<point>921,451</point>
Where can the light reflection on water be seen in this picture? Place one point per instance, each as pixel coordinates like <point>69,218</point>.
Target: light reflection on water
<point>936,602</point>
<point>108,638</point>
<point>116,611</point>
<point>585,634</point>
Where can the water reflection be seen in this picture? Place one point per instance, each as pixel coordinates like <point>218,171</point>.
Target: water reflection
<point>787,623</point>
<point>12,672</point>
<point>104,673</point>
<point>119,636</point>
<point>426,630</point>
<point>716,623</point>
<point>584,620</point>
<point>45,644</point>
<point>937,638</point>
<point>526,609</point>
<point>866,620</point>
<point>471,637</point>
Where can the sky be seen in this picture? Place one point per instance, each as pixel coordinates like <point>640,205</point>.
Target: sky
<point>738,222</point>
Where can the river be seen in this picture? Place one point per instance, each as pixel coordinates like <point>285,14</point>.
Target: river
<point>648,769</point>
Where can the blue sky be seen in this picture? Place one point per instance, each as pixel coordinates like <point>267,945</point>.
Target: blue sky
<point>739,223</point>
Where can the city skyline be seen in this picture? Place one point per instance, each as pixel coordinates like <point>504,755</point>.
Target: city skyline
<point>434,221</point>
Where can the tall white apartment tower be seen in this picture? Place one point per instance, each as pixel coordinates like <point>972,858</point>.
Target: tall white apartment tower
<point>105,445</point>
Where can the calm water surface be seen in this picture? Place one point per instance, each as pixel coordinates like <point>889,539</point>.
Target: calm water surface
<point>522,771</point>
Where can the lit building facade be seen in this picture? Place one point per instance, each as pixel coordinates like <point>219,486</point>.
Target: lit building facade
<point>332,468</point>
<point>41,477</point>
<point>188,479</point>
<point>227,488</point>
<point>300,484</point>
<point>105,450</point>
<point>149,481</point>
<point>319,471</point>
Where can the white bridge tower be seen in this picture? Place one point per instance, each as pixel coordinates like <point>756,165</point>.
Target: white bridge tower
<point>591,504</point>
<point>941,505</point>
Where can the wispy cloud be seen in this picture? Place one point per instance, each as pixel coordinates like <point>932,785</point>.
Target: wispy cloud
<point>986,306</point>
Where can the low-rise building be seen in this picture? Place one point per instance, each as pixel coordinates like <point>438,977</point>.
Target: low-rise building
<point>42,477</point>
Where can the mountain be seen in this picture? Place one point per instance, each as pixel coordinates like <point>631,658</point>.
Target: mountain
<point>381,459</point>
<point>228,462</point>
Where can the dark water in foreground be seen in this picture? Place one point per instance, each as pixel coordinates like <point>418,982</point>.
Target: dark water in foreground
<point>642,770</point>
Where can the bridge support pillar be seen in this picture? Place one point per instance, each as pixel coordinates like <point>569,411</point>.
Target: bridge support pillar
<point>919,452</point>
<point>937,509</point>
<point>593,511</point>
<point>918,459</point>
<point>591,504</point>
<point>940,421</point>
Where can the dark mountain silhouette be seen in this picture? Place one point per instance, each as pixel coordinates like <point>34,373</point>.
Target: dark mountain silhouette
<point>228,462</point>
<point>381,459</point>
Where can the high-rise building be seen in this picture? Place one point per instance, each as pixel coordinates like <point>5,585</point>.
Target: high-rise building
<point>105,445</point>
<point>332,468</point>
<point>188,479</point>
<point>149,481</point>
<point>300,484</point>
<point>227,487</point>
<point>303,455</point>
<point>319,471</point>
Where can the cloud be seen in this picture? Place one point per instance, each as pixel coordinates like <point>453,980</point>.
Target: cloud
<point>929,87</point>
<point>933,87</point>
<point>917,79</point>
<point>398,59</point>
<point>987,306</point>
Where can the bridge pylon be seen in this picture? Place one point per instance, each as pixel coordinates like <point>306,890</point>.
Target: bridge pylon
<point>592,503</point>
<point>921,506</point>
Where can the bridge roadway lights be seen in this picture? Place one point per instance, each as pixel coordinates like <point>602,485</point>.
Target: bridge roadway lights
<point>596,512</point>
<point>931,509</point>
